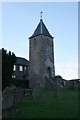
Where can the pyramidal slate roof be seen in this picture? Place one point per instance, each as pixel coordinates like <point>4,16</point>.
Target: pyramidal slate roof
<point>41,30</point>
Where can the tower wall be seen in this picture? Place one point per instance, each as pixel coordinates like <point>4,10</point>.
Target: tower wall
<point>41,57</point>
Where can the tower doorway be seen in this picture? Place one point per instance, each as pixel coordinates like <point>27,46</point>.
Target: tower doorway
<point>49,72</point>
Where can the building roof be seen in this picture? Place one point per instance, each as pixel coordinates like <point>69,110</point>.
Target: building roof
<point>21,61</point>
<point>74,80</point>
<point>41,30</point>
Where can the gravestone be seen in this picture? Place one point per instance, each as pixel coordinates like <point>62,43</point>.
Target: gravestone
<point>7,98</point>
<point>18,94</point>
<point>36,92</point>
<point>58,87</point>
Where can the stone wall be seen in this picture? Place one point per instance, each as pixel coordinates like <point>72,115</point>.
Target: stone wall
<point>41,57</point>
<point>73,84</point>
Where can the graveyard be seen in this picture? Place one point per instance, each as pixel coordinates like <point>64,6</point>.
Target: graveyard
<point>51,97</point>
<point>48,106</point>
<point>31,89</point>
<point>57,98</point>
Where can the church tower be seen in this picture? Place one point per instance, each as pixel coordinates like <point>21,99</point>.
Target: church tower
<point>41,56</point>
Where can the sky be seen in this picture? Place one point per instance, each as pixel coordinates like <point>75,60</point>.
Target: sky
<point>20,19</point>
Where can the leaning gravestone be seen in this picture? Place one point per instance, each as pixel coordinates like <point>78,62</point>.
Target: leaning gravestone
<point>57,87</point>
<point>36,92</point>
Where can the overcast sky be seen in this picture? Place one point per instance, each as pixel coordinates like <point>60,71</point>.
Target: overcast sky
<point>19,21</point>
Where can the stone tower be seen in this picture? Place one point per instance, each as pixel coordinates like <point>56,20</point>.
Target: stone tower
<point>41,56</point>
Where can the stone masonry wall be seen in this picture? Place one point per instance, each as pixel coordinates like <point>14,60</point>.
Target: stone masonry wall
<point>41,57</point>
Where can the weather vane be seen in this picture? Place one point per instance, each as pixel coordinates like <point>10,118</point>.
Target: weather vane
<point>41,14</point>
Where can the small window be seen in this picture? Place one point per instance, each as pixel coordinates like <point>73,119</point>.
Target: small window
<point>20,68</point>
<point>14,68</point>
<point>35,42</point>
<point>47,41</point>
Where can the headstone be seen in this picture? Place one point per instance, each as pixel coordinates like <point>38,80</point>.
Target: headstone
<point>7,98</point>
<point>18,94</point>
<point>58,87</point>
<point>36,92</point>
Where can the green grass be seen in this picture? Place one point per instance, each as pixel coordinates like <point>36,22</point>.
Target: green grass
<point>48,106</point>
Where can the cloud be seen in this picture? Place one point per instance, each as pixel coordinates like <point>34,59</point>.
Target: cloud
<point>67,71</point>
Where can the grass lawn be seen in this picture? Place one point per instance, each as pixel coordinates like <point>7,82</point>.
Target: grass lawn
<point>48,106</point>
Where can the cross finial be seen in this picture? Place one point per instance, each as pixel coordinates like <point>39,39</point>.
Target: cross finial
<point>41,14</point>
